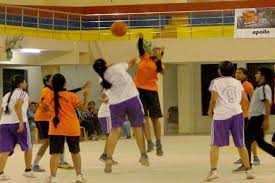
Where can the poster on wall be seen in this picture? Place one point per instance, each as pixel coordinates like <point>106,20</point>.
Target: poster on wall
<point>255,23</point>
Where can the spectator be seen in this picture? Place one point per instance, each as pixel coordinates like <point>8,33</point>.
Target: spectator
<point>31,113</point>
<point>85,123</point>
<point>91,115</point>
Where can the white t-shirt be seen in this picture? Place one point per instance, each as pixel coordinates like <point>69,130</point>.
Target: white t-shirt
<point>123,87</point>
<point>229,97</point>
<point>104,110</point>
<point>12,118</point>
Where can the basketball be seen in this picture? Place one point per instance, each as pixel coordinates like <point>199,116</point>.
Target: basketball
<point>119,28</point>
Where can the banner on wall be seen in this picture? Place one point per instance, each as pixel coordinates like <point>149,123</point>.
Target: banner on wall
<point>255,23</point>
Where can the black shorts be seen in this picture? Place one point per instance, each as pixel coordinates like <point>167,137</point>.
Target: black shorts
<point>150,102</point>
<point>43,129</point>
<point>246,120</point>
<point>57,144</point>
<point>273,138</point>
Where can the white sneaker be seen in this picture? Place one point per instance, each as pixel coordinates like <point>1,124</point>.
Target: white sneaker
<point>249,174</point>
<point>29,174</point>
<point>211,176</point>
<point>80,179</point>
<point>52,180</point>
<point>4,177</point>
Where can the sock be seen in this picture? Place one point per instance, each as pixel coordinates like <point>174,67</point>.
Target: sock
<point>62,159</point>
<point>37,160</point>
<point>158,142</point>
<point>28,170</point>
<point>149,141</point>
<point>213,169</point>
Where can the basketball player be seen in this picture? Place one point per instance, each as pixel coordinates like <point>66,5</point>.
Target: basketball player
<point>227,114</point>
<point>104,118</point>
<point>42,118</point>
<point>259,112</point>
<point>64,124</point>
<point>14,126</point>
<point>146,78</point>
<point>241,75</point>
<point>124,101</point>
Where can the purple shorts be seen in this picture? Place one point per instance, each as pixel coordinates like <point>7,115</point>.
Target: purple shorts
<point>221,130</point>
<point>131,108</point>
<point>9,137</point>
<point>106,125</point>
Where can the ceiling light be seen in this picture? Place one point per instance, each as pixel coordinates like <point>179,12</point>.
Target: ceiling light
<point>30,50</point>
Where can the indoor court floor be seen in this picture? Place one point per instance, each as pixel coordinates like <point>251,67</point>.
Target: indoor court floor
<point>186,160</point>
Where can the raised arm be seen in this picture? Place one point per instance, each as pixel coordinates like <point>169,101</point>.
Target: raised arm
<point>140,45</point>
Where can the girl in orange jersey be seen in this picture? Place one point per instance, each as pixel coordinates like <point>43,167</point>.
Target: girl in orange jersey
<point>42,119</point>
<point>64,124</point>
<point>146,78</point>
<point>241,75</point>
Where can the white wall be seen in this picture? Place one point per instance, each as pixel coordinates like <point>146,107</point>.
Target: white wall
<point>76,75</point>
<point>170,90</point>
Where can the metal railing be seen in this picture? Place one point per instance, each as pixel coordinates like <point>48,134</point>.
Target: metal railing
<point>161,24</point>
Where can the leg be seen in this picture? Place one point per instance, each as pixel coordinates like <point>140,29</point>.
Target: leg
<point>3,160</point>
<point>77,163</point>
<point>157,130</point>
<point>141,145</point>
<point>54,164</point>
<point>56,149</point>
<point>244,156</point>
<point>111,144</point>
<point>254,149</point>
<point>270,149</point>
<point>147,130</point>
<point>28,159</point>
<point>43,148</point>
<point>214,157</point>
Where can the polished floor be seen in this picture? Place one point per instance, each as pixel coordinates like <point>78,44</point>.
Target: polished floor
<point>186,160</point>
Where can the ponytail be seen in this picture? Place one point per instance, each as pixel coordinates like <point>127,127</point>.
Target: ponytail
<point>100,67</point>
<point>56,109</point>
<point>16,80</point>
<point>58,83</point>
<point>7,110</point>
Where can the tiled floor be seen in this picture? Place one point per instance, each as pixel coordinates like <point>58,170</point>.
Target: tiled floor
<point>186,160</point>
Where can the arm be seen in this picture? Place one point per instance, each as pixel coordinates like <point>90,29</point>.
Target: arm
<point>132,62</point>
<point>83,106</point>
<point>250,93</point>
<point>267,106</point>
<point>212,103</point>
<point>18,111</point>
<point>86,85</point>
<point>140,45</point>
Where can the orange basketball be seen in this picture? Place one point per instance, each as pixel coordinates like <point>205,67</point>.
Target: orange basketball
<point>119,28</point>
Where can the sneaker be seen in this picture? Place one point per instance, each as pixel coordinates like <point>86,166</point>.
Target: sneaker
<point>240,169</point>
<point>29,174</point>
<point>144,160</point>
<point>239,161</point>
<point>256,160</point>
<point>108,166</point>
<point>159,150</point>
<point>52,180</point>
<point>4,177</point>
<point>36,168</point>
<point>103,158</point>
<point>150,147</point>
<point>211,176</point>
<point>65,165</point>
<point>79,179</point>
<point>249,174</point>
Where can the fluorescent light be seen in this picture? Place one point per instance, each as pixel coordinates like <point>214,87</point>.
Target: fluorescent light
<point>30,50</point>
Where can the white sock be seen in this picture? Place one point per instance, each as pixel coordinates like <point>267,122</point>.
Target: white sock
<point>37,160</point>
